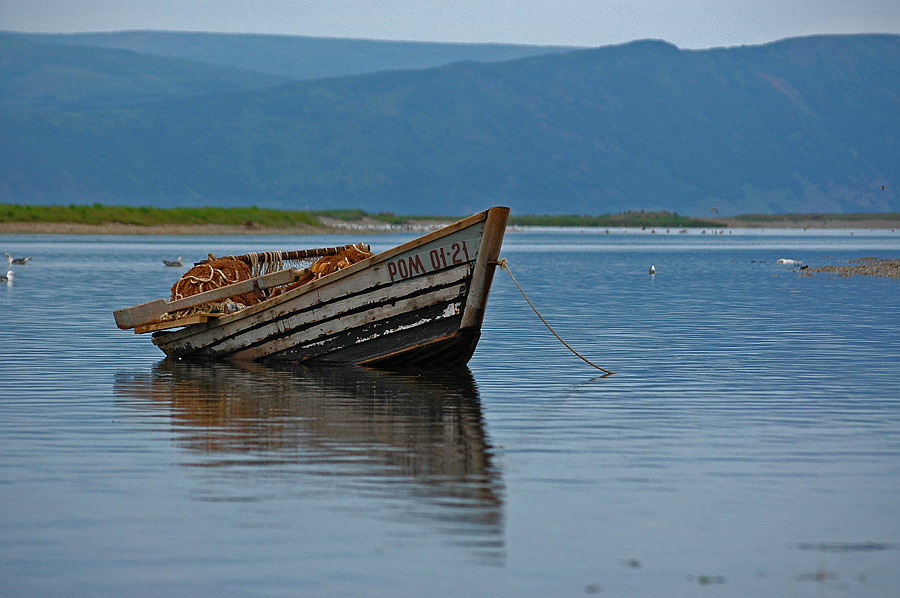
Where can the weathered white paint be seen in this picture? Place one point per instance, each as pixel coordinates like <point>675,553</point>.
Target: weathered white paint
<point>326,288</point>
<point>235,346</point>
<point>450,311</point>
<point>202,335</point>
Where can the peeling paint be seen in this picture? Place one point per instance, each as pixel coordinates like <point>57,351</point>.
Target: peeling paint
<point>452,310</point>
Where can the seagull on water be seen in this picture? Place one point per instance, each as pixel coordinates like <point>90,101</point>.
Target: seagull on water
<point>8,277</point>
<point>20,261</point>
<point>652,270</point>
<point>176,264</point>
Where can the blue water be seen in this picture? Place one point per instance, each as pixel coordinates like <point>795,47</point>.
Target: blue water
<point>748,444</point>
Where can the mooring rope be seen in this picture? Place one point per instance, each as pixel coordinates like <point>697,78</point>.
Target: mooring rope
<point>505,266</point>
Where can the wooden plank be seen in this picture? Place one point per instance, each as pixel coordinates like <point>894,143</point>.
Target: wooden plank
<point>149,312</point>
<point>317,332</point>
<point>432,343</point>
<point>178,323</point>
<point>379,338</point>
<point>485,265</point>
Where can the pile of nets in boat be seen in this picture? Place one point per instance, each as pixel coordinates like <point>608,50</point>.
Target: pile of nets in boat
<point>212,274</point>
<point>218,272</point>
<point>328,264</point>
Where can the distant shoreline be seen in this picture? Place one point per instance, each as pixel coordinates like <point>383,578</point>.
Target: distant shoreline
<point>115,228</point>
<point>812,223</point>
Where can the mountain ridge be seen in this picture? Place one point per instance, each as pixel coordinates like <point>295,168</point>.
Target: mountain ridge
<point>799,125</point>
<point>296,57</point>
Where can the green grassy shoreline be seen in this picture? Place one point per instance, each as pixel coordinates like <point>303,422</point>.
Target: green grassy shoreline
<point>255,219</point>
<point>98,214</point>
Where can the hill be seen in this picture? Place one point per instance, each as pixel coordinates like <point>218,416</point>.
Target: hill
<point>295,57</point>
<point>802,125</point>
<point>41,76</point>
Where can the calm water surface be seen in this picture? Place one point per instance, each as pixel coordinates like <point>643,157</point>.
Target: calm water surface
<point>748,445</point>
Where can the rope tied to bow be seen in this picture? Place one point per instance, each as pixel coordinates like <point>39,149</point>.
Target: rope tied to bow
<point>504,265</point>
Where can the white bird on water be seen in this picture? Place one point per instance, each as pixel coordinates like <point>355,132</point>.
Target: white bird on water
<point>790,262</point>
<point>16,260</point>
<point>176,264</point>
<point>652,270</point>
<point>8,277</point>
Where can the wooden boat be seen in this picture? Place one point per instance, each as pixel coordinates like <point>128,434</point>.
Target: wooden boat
<point>422,302</point>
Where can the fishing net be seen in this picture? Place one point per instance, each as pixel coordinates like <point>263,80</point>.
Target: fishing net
<point>328,264</point>
<point>214,273</point>
<point>320,262</point>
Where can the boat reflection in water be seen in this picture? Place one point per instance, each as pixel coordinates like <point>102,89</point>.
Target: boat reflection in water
<point>414,438</point>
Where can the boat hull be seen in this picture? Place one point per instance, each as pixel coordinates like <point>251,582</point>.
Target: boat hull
<point>420,303</point>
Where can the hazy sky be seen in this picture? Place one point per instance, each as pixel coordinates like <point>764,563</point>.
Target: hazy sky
<point>687,23</point>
